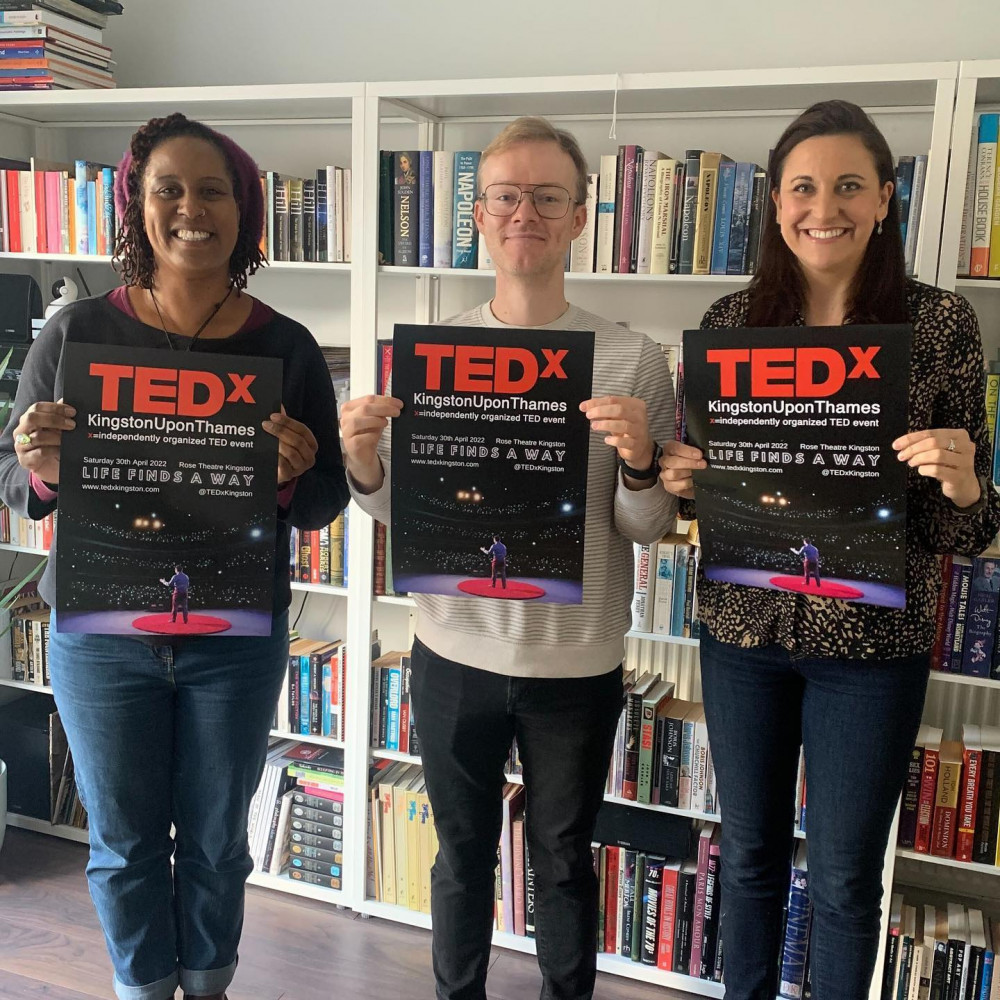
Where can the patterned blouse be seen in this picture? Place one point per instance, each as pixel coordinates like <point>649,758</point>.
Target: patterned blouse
<point>947,389</point>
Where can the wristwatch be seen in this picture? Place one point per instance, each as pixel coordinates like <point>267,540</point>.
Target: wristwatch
<point>651,473</point>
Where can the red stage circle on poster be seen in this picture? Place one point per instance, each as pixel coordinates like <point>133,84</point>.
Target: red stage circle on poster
<point>196,624</point>
<point>825,589</point>
<point>514,591</point>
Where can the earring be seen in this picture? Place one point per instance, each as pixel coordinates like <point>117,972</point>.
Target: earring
<point>879,229</point>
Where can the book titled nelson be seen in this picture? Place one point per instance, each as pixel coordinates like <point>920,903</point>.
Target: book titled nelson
<point>167,493</point>
<point>803,490</point>
<point>489,462</point>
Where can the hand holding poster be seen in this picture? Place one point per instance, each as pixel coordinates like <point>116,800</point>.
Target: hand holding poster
<point>803,490</point>
<point>167,493</point>
<point>489,462</point>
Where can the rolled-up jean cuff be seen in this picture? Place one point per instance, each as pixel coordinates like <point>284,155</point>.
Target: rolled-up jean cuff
<point>154,991</point>
<point>203,984</point>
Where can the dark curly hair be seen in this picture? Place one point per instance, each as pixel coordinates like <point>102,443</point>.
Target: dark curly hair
<point>133,253</point>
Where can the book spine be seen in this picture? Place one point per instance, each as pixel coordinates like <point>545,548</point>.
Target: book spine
<point>739,228</point>
<point>925,806</point>
<point>946,808</point>
<point>968,800</point>
<point>961,616</point>
<point>606,214</point>
<point>723,218</point>
<point>670,762</point>
<point>665,931</point>
<point>611,899</point>
<point>633,723</point>
<point>646,730</point>
<point>647,200</point>
<point>80,208</point>
<point>582,248</point>
<point>980,622</point>
<point>385,208</point>
<point>979,258</point>
<point>692,172</point>
<point>698,916</point>
<point>642,606</point>
<point>755,227</point>
<point>708,189</point>
<point>425,248</point>
<point>663,216</point>
<point>916,211</point>
<point>465,240</point>
<point>444,205</point>
<point>712,898</point>
<point>632,155</point>
<point>309,219</point>
<point>626,891</point>
<point>282,221</point>
<point>406,211</point>
<point>968,208</point>
<point>910,799</point>
<point>986,809</point>
<point>796,937</point>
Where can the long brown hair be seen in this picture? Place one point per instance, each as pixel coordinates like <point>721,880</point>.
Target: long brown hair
<point>777,292</point>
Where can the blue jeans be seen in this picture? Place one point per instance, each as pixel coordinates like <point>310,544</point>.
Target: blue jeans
<point>166,735</point>
<point>858,721</point>
<point>565,727</point>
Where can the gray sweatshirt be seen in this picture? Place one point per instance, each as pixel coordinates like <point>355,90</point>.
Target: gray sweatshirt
<point>522,639</point>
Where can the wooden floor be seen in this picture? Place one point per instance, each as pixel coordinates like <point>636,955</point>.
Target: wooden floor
<point>293,949</point>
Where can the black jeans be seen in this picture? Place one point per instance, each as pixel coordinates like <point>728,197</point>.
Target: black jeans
<point>565,727</point>
<point>858,721</point>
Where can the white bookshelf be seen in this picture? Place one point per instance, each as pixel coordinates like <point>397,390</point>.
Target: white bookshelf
<point>44,826</point>
<point>677,109</point>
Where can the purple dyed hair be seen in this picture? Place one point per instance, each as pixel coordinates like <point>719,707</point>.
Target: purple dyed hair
<point>133,249</point>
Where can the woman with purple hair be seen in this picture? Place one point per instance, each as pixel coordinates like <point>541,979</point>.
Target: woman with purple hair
<point>173,732</point>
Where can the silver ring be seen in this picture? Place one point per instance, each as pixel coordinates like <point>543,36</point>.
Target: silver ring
<point>951,444</point>
<point>22,438</point>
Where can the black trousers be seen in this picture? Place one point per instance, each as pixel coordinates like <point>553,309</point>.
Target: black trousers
<point>466,719</point>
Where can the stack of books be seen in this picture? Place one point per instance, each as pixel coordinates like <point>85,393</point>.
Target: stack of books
<point>55,44</point>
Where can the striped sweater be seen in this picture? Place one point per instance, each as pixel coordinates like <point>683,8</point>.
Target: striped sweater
<point>522,639</point>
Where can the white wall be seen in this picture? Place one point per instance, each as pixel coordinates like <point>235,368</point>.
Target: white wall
<point>174,42</point>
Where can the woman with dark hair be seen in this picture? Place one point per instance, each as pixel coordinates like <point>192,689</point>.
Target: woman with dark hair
<point>174,732</point>
<point>846,681</point>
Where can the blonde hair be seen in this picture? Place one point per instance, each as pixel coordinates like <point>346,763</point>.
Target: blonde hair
<point>531,129</point>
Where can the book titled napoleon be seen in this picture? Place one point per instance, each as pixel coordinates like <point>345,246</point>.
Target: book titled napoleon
<point>167,493</point>
<point>803,490</point>
<point>489,462</point>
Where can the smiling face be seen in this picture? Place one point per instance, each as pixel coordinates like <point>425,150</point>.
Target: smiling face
<point>829,202</point>
<point>189,207</point>
<point>524,244</point>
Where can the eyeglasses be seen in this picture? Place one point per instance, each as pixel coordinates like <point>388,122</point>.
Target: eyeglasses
<point>550,200</point>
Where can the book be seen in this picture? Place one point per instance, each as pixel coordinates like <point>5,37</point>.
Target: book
<point>982,219</point>
<point>929,738</point>
<point>792,977</point>
<point>406,208</point>
<point>943,827</point>
<point>444,204</point>
<point>583,247</point>
<point>465,240</point>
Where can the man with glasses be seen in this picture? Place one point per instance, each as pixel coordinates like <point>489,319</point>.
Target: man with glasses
<point>487,671</point>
